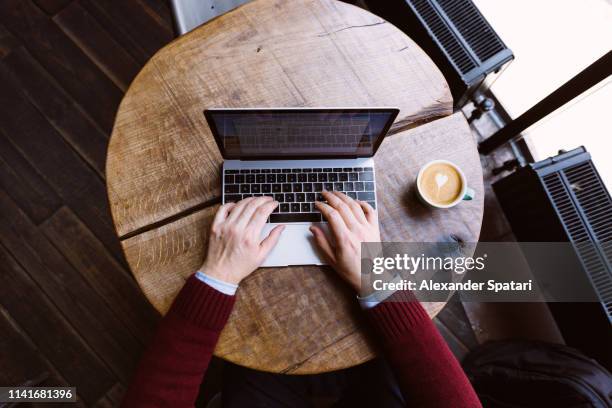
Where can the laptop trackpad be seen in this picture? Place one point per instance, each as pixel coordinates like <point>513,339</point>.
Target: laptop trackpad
<point>296,246</point>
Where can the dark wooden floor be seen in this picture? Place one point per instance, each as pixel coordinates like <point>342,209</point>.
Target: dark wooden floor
<point>68,304</point>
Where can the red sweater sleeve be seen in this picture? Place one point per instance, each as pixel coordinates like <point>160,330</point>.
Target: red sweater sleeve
<point>428,373</point>
<point>171,370</point>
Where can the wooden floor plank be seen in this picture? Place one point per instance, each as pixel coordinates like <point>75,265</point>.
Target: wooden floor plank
<point>113,397</point>
<point>454,344</point>
<point>455,319</point>
<point>101,48</point>
<point>23,356</point>
<point>52,6</point>
<point>24,364</point>
<point>24,184</point>
<point>160,9</point>
<point>66,116</point>
<point>68,290</point>
<point>95,92</point>
<point>112,282</point>
<point>39,318</point>
<point>73,180</point>
<point>139,33</point>
<point>8,42</point>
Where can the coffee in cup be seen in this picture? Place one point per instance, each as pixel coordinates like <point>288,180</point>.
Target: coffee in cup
<point>442,184</point>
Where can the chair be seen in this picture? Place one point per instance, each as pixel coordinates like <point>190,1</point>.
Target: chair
<point>188,14</point>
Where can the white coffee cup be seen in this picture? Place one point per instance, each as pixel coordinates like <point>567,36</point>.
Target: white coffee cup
<point>466,193</point>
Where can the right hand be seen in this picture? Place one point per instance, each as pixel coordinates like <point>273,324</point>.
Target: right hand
<point>351,222</point>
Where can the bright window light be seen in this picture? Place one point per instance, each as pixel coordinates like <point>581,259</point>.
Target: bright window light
<point>552,41</point>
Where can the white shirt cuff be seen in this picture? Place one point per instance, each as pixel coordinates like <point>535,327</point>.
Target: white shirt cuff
<point>223,287</point>
<point>376,297</point>
<point>368,302</point>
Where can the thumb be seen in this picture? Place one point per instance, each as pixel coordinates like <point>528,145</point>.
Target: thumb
<point>323,243</point>
<point>271,240</point>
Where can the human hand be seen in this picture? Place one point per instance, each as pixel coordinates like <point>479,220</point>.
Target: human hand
<point>235,248</point>
<point>351,222</point>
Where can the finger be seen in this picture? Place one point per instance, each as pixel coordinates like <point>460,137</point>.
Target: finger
<point>342,208</point>
<point>323,243</point>
<point>353,205</point>
<point>271,240</point>
<point>260,216</point>
<point>370,213</point>
<point>248,210</point>
<point>252,208</point>
<point>237,210</point>
<point>222,214</point>
<point>335,220</point>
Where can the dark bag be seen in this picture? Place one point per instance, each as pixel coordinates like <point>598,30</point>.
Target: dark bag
<point>525,374</point>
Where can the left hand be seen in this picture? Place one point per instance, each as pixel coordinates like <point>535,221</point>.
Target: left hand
<point>235,248</point>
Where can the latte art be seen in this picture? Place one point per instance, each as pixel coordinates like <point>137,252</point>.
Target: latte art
<point>441,184</point>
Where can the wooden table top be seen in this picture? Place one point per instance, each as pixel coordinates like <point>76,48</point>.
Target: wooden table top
<point>163,166</point>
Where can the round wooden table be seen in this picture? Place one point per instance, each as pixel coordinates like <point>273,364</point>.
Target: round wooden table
<point>163,166</point>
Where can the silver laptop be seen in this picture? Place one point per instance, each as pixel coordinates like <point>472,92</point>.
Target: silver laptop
<point>292,154</point>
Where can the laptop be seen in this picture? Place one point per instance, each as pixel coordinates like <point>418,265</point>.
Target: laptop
<point>292,155</point>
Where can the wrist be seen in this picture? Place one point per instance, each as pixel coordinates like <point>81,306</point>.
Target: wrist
<point>220,274</point>
<point>353,280</point>
<point>222,286</point>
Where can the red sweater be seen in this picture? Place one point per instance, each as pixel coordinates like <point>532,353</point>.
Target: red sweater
<point>172,368</point>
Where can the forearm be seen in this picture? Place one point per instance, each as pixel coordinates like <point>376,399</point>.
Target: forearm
<point>428,373</point>
<point>172,367</point>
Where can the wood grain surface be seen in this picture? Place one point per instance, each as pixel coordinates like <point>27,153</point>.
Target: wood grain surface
<point>162,159</point>
<point>303,319</point>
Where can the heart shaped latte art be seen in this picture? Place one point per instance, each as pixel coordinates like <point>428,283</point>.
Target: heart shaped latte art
<point>441,179</point>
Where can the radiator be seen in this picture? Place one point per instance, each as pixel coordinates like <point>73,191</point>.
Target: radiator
<point>563,199</point>
<point>456,37</point>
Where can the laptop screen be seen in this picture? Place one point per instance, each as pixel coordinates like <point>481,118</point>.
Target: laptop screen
<point>299,133</point>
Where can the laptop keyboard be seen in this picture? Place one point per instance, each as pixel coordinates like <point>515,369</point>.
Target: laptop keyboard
<point>297,189</point>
